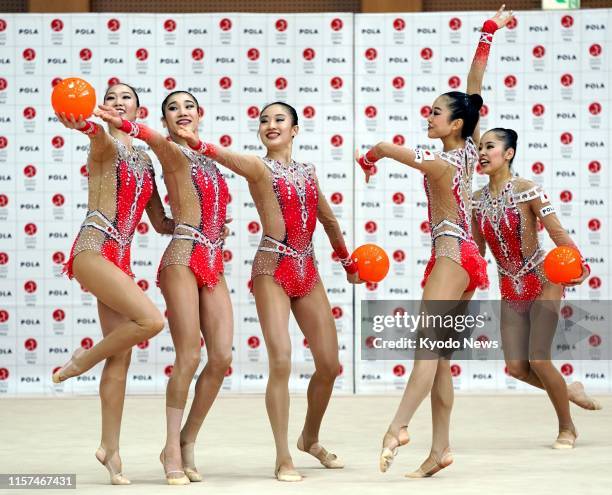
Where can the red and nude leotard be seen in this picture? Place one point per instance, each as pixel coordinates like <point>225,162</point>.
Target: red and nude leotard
<point>508,224</point>
<point>117,197</point>
<point>449,212</point>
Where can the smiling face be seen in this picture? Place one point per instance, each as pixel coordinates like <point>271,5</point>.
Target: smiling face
<point>181,110</point>
<point>439,123</point>
<point>492,154</point>
<point>123,99</point>
<point>276,129</point>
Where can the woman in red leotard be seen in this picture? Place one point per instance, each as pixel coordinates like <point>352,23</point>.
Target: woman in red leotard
<point>456,268</point>
<point>284,275</point>
<point>505,213</point>
<point>121,186</point>
<point>190,276</point>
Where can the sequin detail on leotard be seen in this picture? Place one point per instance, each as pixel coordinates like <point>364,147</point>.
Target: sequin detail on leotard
<point>110,227</point>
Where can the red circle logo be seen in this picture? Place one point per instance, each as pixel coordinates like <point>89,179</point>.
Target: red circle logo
<point>229,371</point>
<point>567,369</point>
<point>30,229</point>
<point>336,198</point>
<point>3,84</point>
<point>454,24</point>
<point>398,82</point>
<point>59,315</point>
<point>197,54</point>
<point>143,284</point>
<point>253,54</point>
<point>4,316</point>
<point>4,373</point>
<point>336,24</point>
<point>454,82</point>
<point>142,54</point>
<point>594,224</point>
<point>337,312</point>
<point>595,108</point>
<point>29,171</point>
<point>143,228</point>
<point>370,227</point>
<point>225,24</point>
<point>2,25</point>
<point>58,200</point>
<point>566,138</point>
<point>371,286</point>
<point>308,54</point>
<point>281,25</point>
<point>30,286</point>
<point>399,198</point>
<point>595,340</point>
<point>3,200</point>
<point>595,50</point>
<point>30,344</point>
<point>143,113</point>
<point>455,370</point>
<point>308,112</point>
<point>399,370</point>
<point>399,24</point>
<point>85,54</point>
<point>280,83</point>
<point>169,83</point>
<point>510,81</point>
<point>538,51</point>
<point>227,256</point>
<point>225,140</point>
<point>594,282</point>
<point>169,25</point>
<point>253,227</point>
<point>567,80</point>
<point>58,257</point>
<point>567,312</point>
<point>143,345</point>
<point>399,256</point>
<point>113,25</point>
<point>84,171</point>
<point>565,196</point>
<point>399,140</point>
<point>112,81</point>
<point>371,54</point>
<point>336,82</point>
<point>512,23</point>
<point>426,53</point>
<point>425,227</point>
<point>57,25</point>
<point>29,54</point>
<point>253,342</point>
<point>253,112</point>
<point>567,21</point>
<point>168,370</point>
<point>537,168</point>
<point>537,110</point>
<point>57,142</point>
<point>594,167</point>
<point>425,111</point>
<point>484,111</point>
<point>336,140</point>
<point>370,111</point>
<point>3,258</point>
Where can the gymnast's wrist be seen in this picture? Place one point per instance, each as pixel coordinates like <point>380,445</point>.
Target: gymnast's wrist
<point>489,26</point>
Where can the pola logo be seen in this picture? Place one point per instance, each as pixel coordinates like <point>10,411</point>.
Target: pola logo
<point>370,227</point>
<point>398,82</point>
<point>595,108</point>
<point>537,110</point>
<point>228,371</point>
<point>4,316</point>
<point>336,82</point>
<point>58,258</point>
<point>227,256</point>
<point>371,54</point>
<point>336,198</point>
<point>425,227</point>
<point>538,51</point>
<point>566,138</point>
<point>3,200</point>
<point>57,25</point>
<point>399,256</point>
<point>567,80</point>
<point>253,112</point>
<point>370,112</point>
<point>2,25</point>
<point>225,24</point>
<point>565,196</point>
<point>567,312</point>
<point>58,315</point>
<point>143,228</point>
<point>142,54</point>
<point>484,111</point>
<point>280,83</point>
<point>253,54</point>
<point>30,286</point>
<point>57,142</point>
<point>169,25</point>
<point>253,342</point>
<point>594,167</point>
<point>253,227</point>
<point>225,140</point>
<point>594,282</point>
<point>281,25</point>
<point>30,344</point>
<point>455,370</point>
<point>143,284</point>
<point>142,113</point>
<point>3,84</point>
<point>595,340</point>
<point>399,24</point>
<point>510,81</point>
<point>113,25</point>
<point>336,24</point>
<point>537,168</point>
<point>512,24</point>
<point>84,171</point>
<point>113,80</point>
<point>567,21</point>
<point>399,370</point>
<point>399,198</point>
<point>197,54</point>
<point>4,257</point>
<point>85,54</point>
<point>29,171</point>
<point>30,229</point>
<point>29,113</point>
<point>29,54</point>
<point>595,50</point>
<point>425,111</point>
<point>168,370</point>
<point>399,140</point>
<point>371,286</point>
<point>336,140</point>
<point>143,345</point>
<point>594,224</point>
<point>58,200</point>
<point>308,112</point>
<point>454,24</point>
<point>567,369</point>
<point>169,83</point>
<point>426,53</point>
<point>454,82</point>
<point>337,312</point>
<point>308,54</point>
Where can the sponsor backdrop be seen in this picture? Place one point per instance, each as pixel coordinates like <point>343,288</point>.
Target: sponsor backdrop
<point>355,79</point>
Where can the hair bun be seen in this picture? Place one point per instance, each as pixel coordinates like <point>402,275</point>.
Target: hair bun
<point>476,101</point>
<point>513,134</point>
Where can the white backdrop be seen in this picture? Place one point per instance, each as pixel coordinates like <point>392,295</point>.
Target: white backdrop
<point>355,79</point>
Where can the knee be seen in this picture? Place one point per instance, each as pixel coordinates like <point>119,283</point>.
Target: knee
<point>187,363</point>
<point>280,367</point>
<point>219,363</point>
<point>151,325</point>
<point>518,369</point>
<point>328,370</point>
<point>539,365</point>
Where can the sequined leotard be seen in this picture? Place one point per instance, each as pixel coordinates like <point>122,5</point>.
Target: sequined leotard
<point>508,224</point>
<point>450,216</point>
<point>290,258</point>
<point>120,194</point>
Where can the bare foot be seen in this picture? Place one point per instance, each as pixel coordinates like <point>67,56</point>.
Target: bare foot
<point>329,460</point>
<point>70,369</point>
<point>285,471</point>
<point>433,464</point>
<point>391,444</point>
<point>112,463</point>
<point>566,438</point>
<point>578,396</point>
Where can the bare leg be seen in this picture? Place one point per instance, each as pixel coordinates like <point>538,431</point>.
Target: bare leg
<point>313,314</point>
<point>112,396</point>
<point>180,291</point>
<point>217,323</point>
<point>119,292</point>
<point>273,310</point>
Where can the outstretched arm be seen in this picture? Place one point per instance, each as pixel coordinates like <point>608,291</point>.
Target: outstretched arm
<point>101,145</point>
<point>169,155</point>
<point>479,63</point>
<point>248,166</point>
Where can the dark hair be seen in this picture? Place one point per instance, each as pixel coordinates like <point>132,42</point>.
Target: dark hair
<point>124,84</point>
<point>165,102</point>
<point>289,108</point>
<point>466,107</point>
<point>508,136</point>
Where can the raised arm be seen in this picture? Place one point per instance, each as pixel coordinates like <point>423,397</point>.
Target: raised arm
<point>248,166</point>
<point>479,63</point>
<point>157,214</point>
<point>101,145</point>
<point>327,218</point>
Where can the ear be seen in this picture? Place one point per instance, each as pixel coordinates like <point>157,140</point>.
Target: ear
<point>295,130</point>
<point>163,121</point>
<point>509,154</point>
<point>457,125</point>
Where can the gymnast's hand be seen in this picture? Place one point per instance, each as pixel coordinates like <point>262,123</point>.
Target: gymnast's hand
<point>109,114</point>
<point>71,123</point>
<point>577,281</point>
<point>353,278</point>
<point>502,17</point>
<point>368,169</point>
<point>188,135</point>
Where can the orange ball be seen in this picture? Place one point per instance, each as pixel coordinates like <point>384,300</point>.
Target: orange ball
<point>562,264</point>
<point>74,96</point>
<point>372,262</point>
